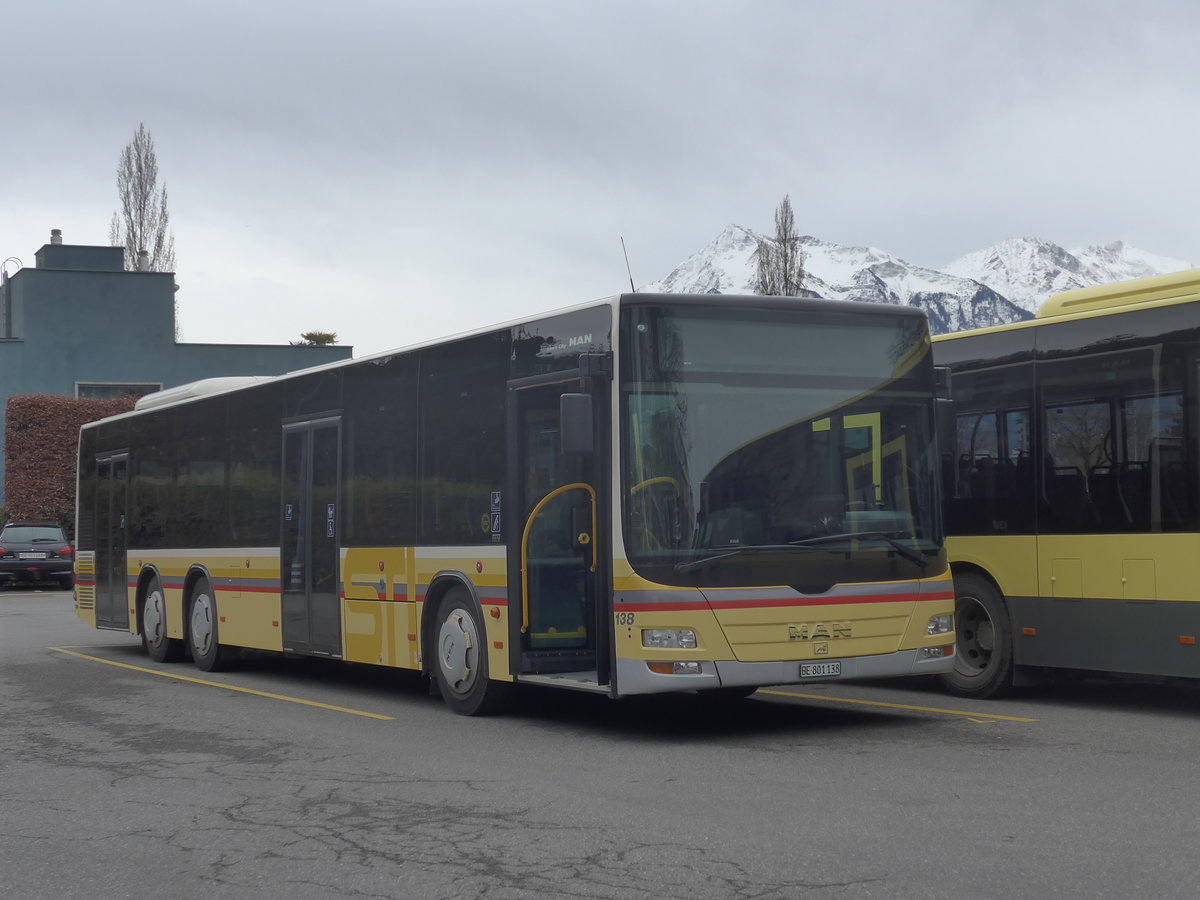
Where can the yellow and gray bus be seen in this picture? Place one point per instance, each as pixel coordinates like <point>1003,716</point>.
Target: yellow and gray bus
<point>1073,487</point>
<point>650,493</point>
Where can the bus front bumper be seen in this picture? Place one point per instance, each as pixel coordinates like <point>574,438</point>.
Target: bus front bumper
<point>634,676</point>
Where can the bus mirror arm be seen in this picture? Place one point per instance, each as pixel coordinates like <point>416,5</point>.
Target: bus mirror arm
<point>945,425</point>
<point>941,382</point>
<point>943,412</point>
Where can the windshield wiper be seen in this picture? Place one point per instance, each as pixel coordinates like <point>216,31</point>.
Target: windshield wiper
<point>740,550</point>
<point>890,537</point>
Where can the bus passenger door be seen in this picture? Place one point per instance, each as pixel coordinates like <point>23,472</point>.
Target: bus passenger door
<point>558,607</point>
<point>112,581</point>
<point>308,563</point>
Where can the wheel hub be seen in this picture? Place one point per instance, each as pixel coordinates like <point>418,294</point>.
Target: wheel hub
<point>976,636</point>
<point>152,617</point>
<point>457,645</point>
<point>202,624</point>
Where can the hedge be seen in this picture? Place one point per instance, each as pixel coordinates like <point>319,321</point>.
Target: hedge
<point>41,439</point>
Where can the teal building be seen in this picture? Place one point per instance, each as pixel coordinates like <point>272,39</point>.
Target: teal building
<point>78,324</point>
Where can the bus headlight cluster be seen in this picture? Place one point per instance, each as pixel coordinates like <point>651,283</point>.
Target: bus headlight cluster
<point>940,624</point>
<point>669,638</point>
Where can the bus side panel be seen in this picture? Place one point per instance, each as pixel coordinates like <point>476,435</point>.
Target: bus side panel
<point>1101,634</point>
<point>1119,566</point>
<point>1122,602</point>
<point>484,570</point>
<point>245,583</point>
<point>1009,560</point>
<point>379,609</point>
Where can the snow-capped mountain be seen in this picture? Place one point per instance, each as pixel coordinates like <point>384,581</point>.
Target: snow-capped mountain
<point>1028,270</point>
<point>1004,283</point>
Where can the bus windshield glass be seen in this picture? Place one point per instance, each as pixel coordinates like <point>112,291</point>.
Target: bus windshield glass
<point>783,445</point>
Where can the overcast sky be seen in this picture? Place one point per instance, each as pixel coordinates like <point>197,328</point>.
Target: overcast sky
<point>396,170</point>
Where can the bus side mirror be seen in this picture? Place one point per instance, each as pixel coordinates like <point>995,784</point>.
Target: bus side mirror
<point>575,423</point>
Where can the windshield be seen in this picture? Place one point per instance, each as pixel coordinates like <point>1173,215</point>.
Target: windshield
<point>28,534</point>
<point>789,445</point>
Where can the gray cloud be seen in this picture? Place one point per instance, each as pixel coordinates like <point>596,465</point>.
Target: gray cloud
<point>391,171</point>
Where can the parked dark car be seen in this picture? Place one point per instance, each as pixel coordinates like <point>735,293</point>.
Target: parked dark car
<point>36,552</point>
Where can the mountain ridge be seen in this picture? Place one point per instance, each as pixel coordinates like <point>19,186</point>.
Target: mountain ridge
<point>1004,283</point>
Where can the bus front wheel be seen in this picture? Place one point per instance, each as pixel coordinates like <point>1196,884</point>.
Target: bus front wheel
<point>155,642</point>
<point>461,666</point>
<point>983,664</point>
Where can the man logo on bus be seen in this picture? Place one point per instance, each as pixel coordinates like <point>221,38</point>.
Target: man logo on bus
<point>819,631</point>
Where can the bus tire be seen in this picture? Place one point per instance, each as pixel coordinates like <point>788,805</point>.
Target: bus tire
<point>204,638</point>
<point>155,642</point>
<point>983,660</point>
<point>460,666</point>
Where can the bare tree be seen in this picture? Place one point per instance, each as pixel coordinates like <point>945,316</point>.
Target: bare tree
<point>781,261</point>
<point>142,222</point>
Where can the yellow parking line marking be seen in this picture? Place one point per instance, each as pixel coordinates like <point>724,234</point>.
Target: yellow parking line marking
<point>228,687</point>
<point>973,716</point>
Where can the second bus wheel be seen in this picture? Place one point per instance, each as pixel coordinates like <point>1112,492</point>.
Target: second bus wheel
<point>983,664</point>
<point>203,631</point>
<point>155,642</point>
<point>460,667</point>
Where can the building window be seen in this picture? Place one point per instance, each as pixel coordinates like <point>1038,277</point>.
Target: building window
<point>107,390</point>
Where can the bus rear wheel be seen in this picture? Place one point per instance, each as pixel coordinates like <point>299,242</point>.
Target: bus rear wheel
<point>460,666</point>
<point>983,663</point>
<point>155,642</point>
<point>203,631</point>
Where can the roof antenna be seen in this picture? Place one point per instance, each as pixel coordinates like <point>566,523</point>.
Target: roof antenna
<point>627,269</point>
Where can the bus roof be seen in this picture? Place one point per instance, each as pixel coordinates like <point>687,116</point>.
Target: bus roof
<point>1175,286</point>
<point>207,387</point>
<point>1081,303</point>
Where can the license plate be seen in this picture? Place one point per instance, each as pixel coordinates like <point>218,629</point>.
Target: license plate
<point>31,555</point>
<point>831,669</point>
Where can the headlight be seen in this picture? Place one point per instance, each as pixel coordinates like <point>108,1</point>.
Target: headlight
<point>940,624</point>
<point>669,638</point>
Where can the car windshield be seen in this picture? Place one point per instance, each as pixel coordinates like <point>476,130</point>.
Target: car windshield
<point>781,446</point>
<point>31,534</point>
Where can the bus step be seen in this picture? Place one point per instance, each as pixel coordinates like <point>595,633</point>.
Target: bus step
<point>539,662</point>
<point>574,681</point>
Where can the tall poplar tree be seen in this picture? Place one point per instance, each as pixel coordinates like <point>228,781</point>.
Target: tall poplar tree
<point>142,222</point>
<point>781,261</point>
